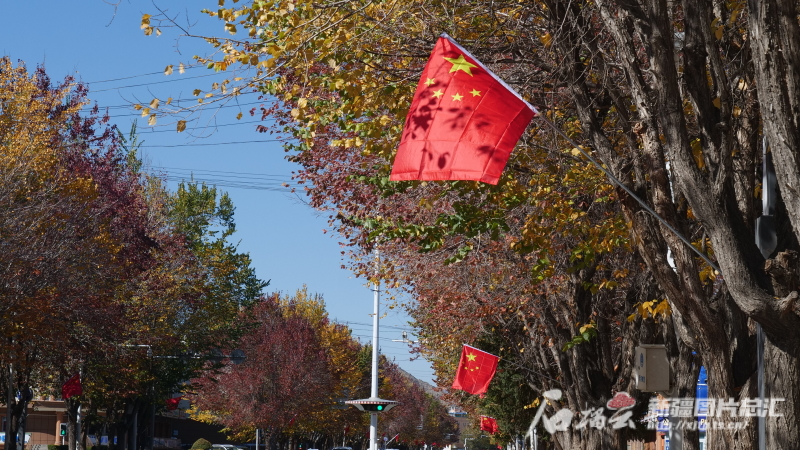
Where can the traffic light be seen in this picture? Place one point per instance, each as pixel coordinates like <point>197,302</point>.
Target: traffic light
<point>380,406</point>
<point>373,404</point>
<point>63,429</point>
<point>377,408</point>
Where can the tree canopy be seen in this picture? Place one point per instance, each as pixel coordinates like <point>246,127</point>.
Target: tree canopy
<point>671,97</point>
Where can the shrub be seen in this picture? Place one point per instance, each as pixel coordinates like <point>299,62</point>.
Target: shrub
<point>200,444</point>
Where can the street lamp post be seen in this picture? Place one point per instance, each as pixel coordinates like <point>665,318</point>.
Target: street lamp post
<point>373,416</point>
<point>374,404</point>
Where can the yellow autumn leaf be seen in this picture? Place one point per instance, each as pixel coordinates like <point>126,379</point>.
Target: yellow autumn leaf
<point>154,103</point>
<point>196,92</point>
<point>168,70</point>
<point>716,102</point>
<point>742,85</point>
<point>546,39</point>
<point>151,120</point>
<point>697,153</point>
<point>181,125</point>
<point>169,100</point>
<point>137,107</point>
<point>239,116</point>
<point>145,112</point>
<point>181,68</point>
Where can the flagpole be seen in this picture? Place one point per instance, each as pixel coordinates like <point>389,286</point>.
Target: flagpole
<point>373,416</point>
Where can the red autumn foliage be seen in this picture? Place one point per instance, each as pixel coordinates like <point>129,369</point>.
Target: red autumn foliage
<point>283,375</point>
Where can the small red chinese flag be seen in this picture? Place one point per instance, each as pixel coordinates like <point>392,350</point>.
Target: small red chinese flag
<point>489,424</point>
<point>475,370</point>
<point>463,123</point>
<point>72,387</point>
<point>172,403</point>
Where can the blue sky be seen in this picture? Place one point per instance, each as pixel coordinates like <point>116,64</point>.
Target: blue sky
<point>104,47</point>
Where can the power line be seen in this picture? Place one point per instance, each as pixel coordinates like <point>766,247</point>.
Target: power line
<point>382,326</point>
<point>276,186</point>
<point>193,66</point>
<point>216,171</point>
<point>155,82</point>
<point>230,184</point>
<point>173,102</point>
<point>216,107</point>
<point>267,183</point>
<point>210,126</point>
<point>214,143</point>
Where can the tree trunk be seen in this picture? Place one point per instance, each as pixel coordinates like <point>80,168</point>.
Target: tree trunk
<point>781,372</point>
<point>14,426</point>
<point>73,437</point>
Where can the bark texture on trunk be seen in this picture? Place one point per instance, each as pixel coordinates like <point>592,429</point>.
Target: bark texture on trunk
<point>686,142</point>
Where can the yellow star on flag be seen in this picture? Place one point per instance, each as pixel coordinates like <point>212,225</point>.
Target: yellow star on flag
<point>471,356</point>
<point>430,81</point>
<point>457,97</point>
<point>475,93</point>
<point>460,63</point>
<point>438,93</point>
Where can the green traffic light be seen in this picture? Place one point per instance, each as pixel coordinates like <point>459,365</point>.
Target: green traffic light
<point>380,407</point>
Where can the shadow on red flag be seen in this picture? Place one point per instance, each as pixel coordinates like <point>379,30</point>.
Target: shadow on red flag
<point>463,123</point>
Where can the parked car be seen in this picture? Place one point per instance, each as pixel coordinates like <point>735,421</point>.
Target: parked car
<point>342,448</point>
<point>226,447</point>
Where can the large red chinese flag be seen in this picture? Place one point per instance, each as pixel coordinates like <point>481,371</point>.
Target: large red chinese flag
<point>489,424</point>
<point>463,123</point>
<point>475,370</point>
<point>72,387</point>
